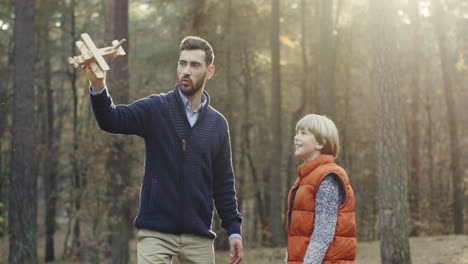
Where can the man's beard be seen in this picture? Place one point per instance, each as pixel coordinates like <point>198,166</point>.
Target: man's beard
<point>191,88</point>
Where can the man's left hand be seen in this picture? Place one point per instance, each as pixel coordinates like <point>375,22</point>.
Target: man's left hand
<point>235,252</point>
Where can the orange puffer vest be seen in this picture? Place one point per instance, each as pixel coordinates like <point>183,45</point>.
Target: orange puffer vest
<point>301,214</point>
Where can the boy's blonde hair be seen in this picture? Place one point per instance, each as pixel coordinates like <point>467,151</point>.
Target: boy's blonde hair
<point>324,131</point>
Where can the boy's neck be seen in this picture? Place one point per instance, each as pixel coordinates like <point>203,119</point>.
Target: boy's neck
<point>312,156</point>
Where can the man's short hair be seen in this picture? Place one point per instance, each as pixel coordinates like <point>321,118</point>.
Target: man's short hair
<point>324,130</point>
<point>194,43</point>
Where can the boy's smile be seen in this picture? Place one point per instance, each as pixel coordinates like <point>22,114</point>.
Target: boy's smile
<point>306,145</point>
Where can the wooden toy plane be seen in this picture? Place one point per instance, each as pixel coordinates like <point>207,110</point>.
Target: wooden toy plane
<point>94,57</point>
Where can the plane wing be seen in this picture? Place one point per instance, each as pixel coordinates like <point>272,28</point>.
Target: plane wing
<point>94,50</point>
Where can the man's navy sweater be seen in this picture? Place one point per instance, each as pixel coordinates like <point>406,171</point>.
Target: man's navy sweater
<point>185,168</point>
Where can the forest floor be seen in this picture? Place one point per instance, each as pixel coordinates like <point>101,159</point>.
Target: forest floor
<point>424,250</point>
<point>450,249</point>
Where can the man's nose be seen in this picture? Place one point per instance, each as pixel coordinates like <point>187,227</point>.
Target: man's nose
<point>187,71</point>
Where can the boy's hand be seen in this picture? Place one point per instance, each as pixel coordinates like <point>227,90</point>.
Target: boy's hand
<point>235,252</point>
<point>96,83</point>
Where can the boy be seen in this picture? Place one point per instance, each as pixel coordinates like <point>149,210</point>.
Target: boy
<point>320,221</point>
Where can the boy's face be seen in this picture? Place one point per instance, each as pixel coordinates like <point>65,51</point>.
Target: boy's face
<point>306,145</point>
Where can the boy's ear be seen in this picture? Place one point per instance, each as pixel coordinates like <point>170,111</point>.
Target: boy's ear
<point>319,147</point>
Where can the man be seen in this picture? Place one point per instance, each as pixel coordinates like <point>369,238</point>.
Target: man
<point>187,164</point>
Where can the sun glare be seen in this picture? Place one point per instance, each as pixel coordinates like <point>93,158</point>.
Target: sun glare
<point>5,26</point>
<point>424,8</point>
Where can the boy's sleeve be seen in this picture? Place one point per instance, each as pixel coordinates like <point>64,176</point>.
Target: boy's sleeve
<point>120,119</point>
<point>326,216</point>
<point>224,192</point>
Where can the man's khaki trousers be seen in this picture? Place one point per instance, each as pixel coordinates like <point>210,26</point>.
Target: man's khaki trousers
<point>155,247</point>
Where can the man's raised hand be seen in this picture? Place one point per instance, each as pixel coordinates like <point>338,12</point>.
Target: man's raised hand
<point>96,83</point>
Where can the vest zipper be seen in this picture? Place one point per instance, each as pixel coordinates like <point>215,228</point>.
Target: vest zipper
<point>291,204</point>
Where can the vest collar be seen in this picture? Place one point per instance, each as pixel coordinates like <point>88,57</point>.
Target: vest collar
<point>307,168</point>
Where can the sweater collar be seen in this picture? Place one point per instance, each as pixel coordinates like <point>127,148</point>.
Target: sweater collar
<point>188,104</point>
<point>307,168</point>
<point>205,98</point>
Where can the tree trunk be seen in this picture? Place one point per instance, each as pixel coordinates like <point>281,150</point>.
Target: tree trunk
<point>118,161</point>
<point>327,61</point>
<point>455,153</point>
<point>5,109</point>
<point>231,102</point>
<point>291,168</point>
<point>22,212</point>
<point>199,16</point>
<point>50,160</point>
<point>391,153</point>
<point>415,195</point>
<point>246,146</point>
<point>76,175</point>
<point>277,229</point>
<point>434,192</point>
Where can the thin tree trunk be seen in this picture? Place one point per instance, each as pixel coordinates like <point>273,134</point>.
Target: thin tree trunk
<point>3,180</point>
<point>199,16</point>
<point>327,64</point>
<point>246,159</point>
<point>50,181</point>
<point>391,153</point>
<point>277,229</point>
<point>76,177</point>
<point>455,153</point>
<point>304,86</point>
<point>5,109</point>
<point>232,102</point>
<point>414,116</point>
<point>49,137</point>
<point>118,161</point>
<point>22,213</point>
<point>246,127</point>
<point>434,192</point>
<point>4,170</point>
<point>229,74</point>
<point>348,92</point>
<point>313,90</point>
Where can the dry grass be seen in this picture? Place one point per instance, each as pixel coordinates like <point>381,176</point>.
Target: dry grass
<point>424,250</point>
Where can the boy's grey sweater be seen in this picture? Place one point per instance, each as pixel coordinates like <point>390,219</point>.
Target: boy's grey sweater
<point>330,196</point>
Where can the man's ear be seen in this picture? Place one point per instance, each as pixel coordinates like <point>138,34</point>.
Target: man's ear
<point>211,71</point>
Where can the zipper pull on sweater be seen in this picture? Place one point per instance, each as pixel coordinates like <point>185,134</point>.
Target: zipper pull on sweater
<point>183,145</point>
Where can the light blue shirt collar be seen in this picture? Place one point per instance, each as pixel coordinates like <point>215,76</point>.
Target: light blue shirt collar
<point>188,104</point>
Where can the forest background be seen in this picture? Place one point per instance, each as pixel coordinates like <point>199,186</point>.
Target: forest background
<point>391,74</point>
